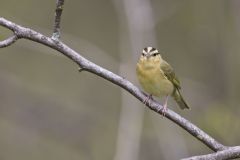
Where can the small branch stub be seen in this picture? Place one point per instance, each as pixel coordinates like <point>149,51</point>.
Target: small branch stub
<point>80,69</point>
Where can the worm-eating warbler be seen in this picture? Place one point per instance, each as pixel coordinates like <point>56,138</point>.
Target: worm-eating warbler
<point>157,78</point>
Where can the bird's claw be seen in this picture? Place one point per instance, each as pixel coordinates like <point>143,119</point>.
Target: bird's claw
<point>163,110</point>
<point>147,99</point>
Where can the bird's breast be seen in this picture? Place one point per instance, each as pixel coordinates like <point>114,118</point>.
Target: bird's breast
<point>153,80</point>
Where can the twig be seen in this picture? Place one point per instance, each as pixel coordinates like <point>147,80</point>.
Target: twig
<point>89,66</point>
<point>229,153</point>
<point>8,41</point>
<point>58,13</point>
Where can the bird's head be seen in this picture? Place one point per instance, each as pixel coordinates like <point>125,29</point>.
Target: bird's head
<point>150,54</point>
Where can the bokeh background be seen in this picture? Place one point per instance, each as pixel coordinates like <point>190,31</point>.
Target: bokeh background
<point>48,110</point>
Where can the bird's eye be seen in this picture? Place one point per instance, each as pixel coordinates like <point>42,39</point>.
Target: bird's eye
<point>143,54</point>
<point>154,54</point>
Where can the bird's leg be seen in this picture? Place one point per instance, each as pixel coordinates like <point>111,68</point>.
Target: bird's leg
<point>164,109</point>
<point>147,99</point>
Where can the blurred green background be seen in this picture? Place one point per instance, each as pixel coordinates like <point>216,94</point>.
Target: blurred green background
<point>50,111</point>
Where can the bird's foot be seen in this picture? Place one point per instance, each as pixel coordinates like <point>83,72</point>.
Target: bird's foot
<point>163,110</point>
<point>147,99</point>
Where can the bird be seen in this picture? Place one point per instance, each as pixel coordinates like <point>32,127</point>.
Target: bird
<point>158,78</point>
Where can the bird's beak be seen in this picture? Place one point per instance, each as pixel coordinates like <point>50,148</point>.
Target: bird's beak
<point>148,56</point>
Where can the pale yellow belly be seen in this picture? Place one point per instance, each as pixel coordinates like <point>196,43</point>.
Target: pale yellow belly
<point>154,82</point>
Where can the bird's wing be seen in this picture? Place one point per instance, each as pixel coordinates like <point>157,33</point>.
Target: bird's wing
<point>169,73</point>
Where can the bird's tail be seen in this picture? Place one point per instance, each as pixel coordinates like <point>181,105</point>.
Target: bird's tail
<point>179,99</point>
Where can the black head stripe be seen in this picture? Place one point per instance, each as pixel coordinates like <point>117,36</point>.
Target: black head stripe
<point>153,49</point>
<point>145,49</point>
<point>154,52</point>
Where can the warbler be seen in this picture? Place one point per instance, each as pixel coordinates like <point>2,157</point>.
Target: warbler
<point>157,78</point>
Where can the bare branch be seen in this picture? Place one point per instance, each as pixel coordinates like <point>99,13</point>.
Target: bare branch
<point>229,153</point>
<point>30,34</point>
<point>8,41</point>
<point>58,13</point>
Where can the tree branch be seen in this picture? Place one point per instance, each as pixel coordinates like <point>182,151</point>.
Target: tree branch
<point>229,153</point>
<point>58,13</point>
<point>26,33</point>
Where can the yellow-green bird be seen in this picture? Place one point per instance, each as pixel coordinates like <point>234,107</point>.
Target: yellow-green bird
<point>157,78</point>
